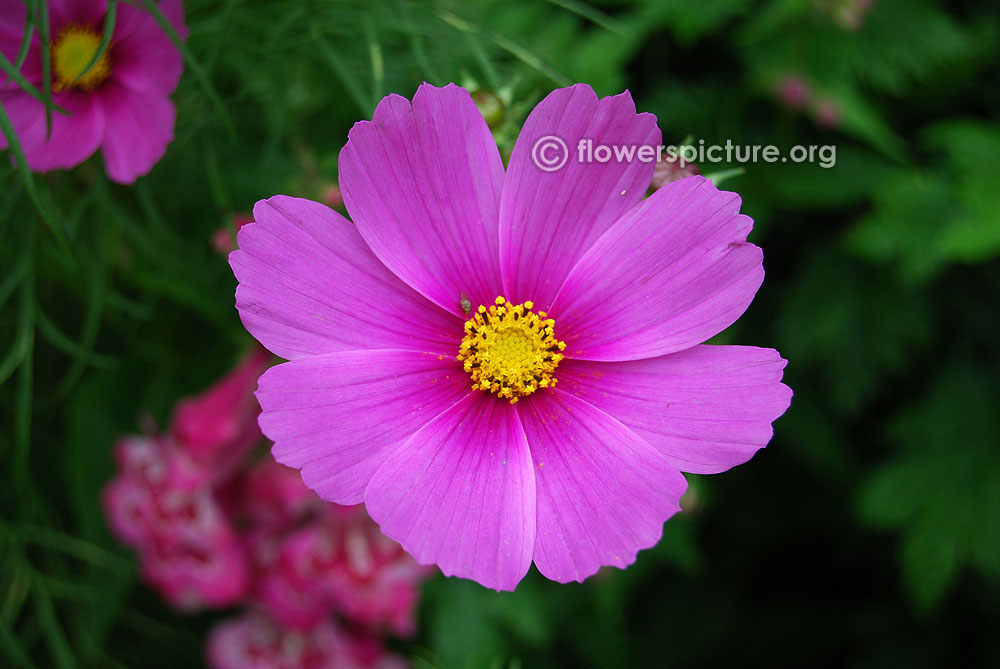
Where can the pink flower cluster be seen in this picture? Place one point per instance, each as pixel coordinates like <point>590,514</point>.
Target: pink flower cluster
<point>214,529</point>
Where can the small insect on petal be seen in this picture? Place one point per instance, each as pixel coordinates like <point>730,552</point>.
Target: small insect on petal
<point>466,302</point>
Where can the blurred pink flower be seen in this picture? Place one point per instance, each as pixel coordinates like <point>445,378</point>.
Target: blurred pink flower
<point>160,505</point>
<point>374,582</point>
<point>332,196</point>
<point>194,557</point>
<point>275,497</point>
<point>851,14</point>
<point>827,113</point>
<point>670,169</point>
<point>164,501</point>
<point>334,559</point>
<point>121,105</point>
<point>219,426</point>
<point>224,239</point>
<point>794,91</point>
<point>252,641</point>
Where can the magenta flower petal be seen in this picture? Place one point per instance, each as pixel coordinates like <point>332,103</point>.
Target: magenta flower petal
<point>549,219</point>
<point>673,272</point>
<point>603,492</point>
<point>74,138</point>
<point>12,15</point>
<point>143,126</point>
<point>461,494</point>
<point>145,58</point>
<point>706,409</point>
<point>130,509</point>
<point>309,286</point>
<point>81,12</point>
<point>423,184</point>
<point>337,417</point>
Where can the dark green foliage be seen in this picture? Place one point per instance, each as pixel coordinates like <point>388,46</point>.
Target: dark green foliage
<point>866,535</point>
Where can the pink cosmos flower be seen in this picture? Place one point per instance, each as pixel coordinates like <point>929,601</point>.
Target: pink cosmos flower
<point>426,340</point>
<point>253,641</point>
<point>121,105</point>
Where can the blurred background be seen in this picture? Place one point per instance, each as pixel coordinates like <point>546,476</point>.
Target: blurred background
<point>866,535</point>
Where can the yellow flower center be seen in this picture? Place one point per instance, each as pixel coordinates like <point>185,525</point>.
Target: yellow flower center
<point>72,52</point>
<point>509,350</point>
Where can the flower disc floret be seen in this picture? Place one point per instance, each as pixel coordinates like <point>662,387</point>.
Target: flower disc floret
<point>509,350</point>
<point>72,52</point>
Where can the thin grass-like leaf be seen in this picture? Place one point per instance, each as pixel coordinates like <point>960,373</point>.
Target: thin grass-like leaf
<point>220,45</point>
<point>354,88</point>
<point>724,175</point>
<point>109,28</point>
<point>74,547</point>
<point>378,63</point>
<point>16,354</point>
<point>65,344</point>
<point>11,281</point>
<point>196,69</point>
<point>508,45</point>
<point>17,588</point>
<point>22,50</point>
<point>13,650</point>
<point>417,47</point>
<point>216,184</point>
<point>45,209</point>
<point>96,292</point>
<point>62,654</point>
<point>23,397</point>
<point>41,16</point>
<point>13,73</point>
<point>592,14</point>
<point>490,73</point>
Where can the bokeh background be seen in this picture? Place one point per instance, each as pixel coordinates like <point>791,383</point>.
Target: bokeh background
<point>866,535</point>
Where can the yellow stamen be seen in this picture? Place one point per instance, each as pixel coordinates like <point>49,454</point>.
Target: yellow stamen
<point>72,51</point>
<point>510,350</point>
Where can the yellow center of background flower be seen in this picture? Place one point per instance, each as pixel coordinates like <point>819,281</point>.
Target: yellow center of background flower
<point>72,52</point>
<point>509,350</point>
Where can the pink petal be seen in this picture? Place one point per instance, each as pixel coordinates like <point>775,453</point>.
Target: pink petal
<point>139,128</point>
<point>603,492</point>
<point>549,219</point>
<point>309,285</point>
<point>74,138</point>
<point>706,409</point>
<point>81,12</point>
<point>673,272</point>
<point>145,60</point>
<point>461,494</point>
<point>30,70</point>
<point>13,14</point>
<point>423,183</point>
<point>337,417</point>
<point>129,507</point>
